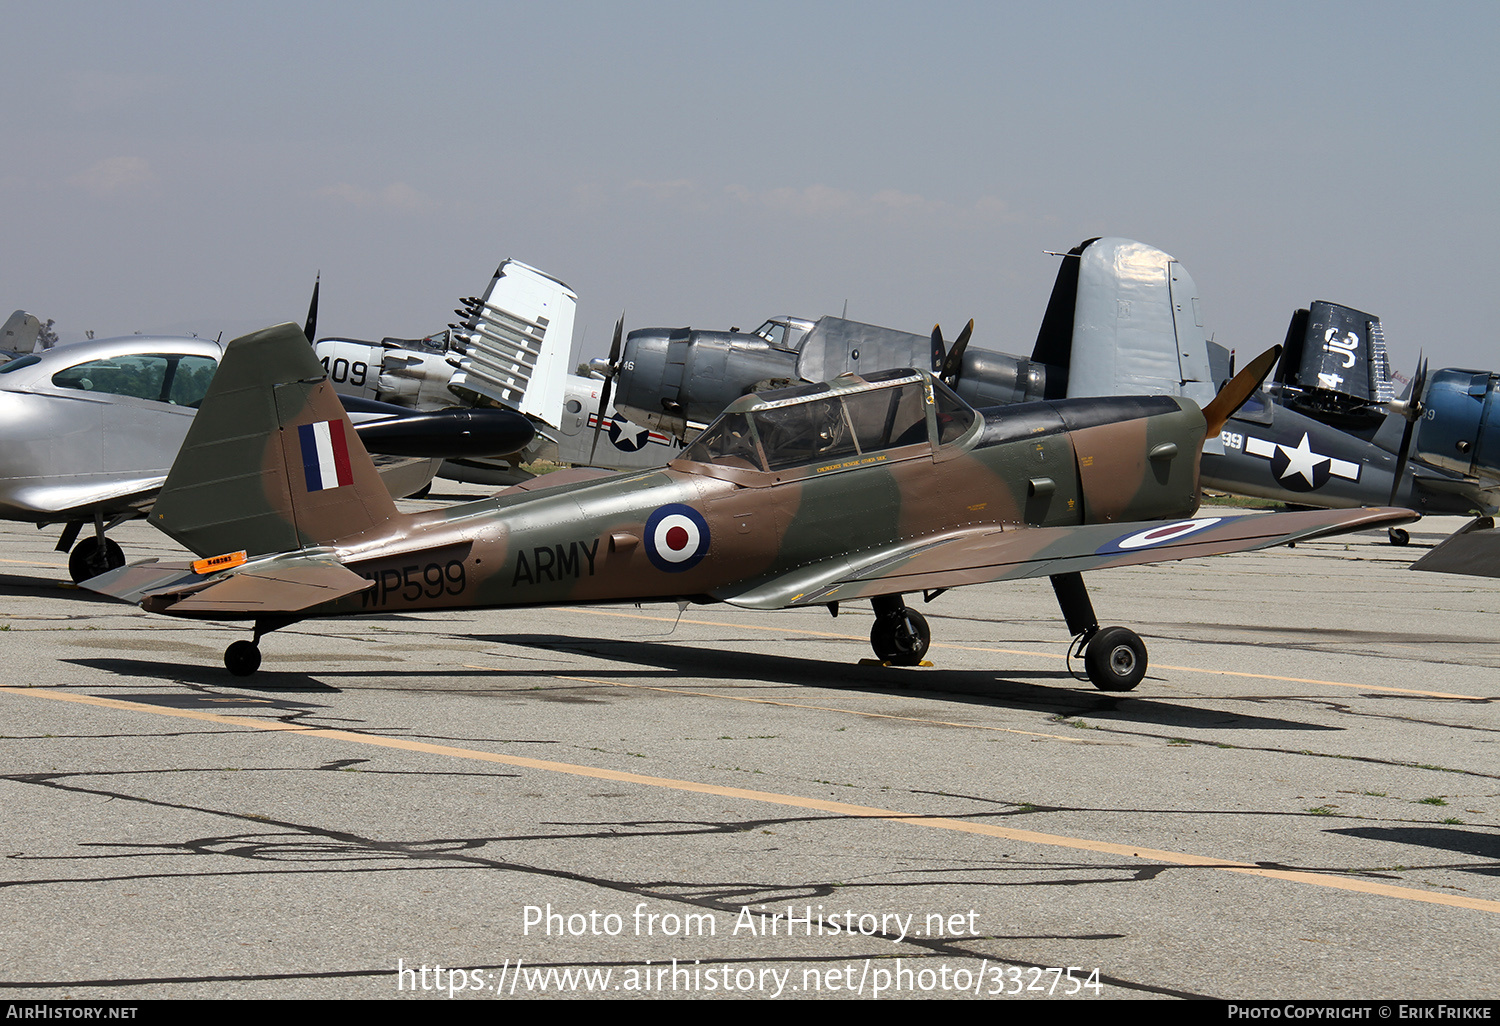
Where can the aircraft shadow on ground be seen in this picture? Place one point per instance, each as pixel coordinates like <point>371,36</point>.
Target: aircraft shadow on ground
<point>207,676</point>
<point>977,687</point>
<point>710,667</point>
<point>21,586</point>
<point>1481,843</point>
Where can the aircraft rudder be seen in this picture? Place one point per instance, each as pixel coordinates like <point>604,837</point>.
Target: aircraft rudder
<point>271,463</point>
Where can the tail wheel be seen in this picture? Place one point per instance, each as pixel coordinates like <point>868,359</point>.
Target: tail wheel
<point>1115,659</point>
<point>94,556</point>
<point>901,638</point>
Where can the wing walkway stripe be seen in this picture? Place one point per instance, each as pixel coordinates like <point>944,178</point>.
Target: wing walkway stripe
<point>791,801</point>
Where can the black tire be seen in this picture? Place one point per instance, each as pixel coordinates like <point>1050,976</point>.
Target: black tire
<point>90,558</point>
<point>901,639</point>
<point>1399,536</point>
<point>242,658</point>
<point>1115,659</point>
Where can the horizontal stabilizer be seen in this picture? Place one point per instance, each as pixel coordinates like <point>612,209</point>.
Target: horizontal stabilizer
<point>133,583</point>
<point>286,586</point>
<point>279,586</point>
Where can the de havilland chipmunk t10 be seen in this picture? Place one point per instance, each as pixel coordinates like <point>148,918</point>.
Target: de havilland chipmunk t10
<point>869,487</point>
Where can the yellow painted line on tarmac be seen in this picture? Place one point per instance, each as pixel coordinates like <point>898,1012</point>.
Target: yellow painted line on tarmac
<point>1050,655</point>
<point>30,562</point>
<point>814,708</point>
<point>792,801</point>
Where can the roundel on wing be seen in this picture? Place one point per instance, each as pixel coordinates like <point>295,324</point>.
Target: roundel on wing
<point>1159,535</point>
<point>676,538</point>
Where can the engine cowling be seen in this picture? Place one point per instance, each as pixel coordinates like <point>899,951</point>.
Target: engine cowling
<point>1460,428</point>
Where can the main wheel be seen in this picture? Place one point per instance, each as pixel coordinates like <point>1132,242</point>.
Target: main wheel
<point>901,638</point>
<point>242,658</point>
<point>1399,536</point>
<point>1115,659</point>
<point>94,556</point>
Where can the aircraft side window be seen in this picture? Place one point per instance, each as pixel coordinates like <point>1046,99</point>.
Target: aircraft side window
<point>888,417</point>
<point>190,380</point>
<point>772,332</point>
<point>728,443</point>
<point>140,377</point>
<point>19,362</point>
<point>804,433</point>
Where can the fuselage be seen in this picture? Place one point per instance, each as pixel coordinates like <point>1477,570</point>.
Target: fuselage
<point>1273,451</point>
<point>782,482</point>
<point>94,426</point>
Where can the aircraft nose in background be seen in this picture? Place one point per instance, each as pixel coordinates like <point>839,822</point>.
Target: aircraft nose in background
<point>642,377</point>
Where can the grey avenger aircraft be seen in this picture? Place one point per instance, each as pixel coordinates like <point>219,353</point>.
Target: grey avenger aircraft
<point>868,487</point>
<point>1123,319</point>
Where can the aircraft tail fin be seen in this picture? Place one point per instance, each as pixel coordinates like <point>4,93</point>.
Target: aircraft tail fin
<point>519,338</point>
<point>271,463</point>
<point>1337,356</point>
<point>1124,319</point>
<point>20,332</point>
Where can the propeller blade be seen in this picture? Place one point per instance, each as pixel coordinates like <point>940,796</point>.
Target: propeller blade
<point>953,366</point>
<point>311,328</point>
<point>614,345</point>
<point>1241,387</point>
<point>609,380</point>
<point>1413,413</point>
<point>939,351</point>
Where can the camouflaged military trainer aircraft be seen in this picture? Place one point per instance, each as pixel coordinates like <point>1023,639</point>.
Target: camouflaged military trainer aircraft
<point>821,494</point>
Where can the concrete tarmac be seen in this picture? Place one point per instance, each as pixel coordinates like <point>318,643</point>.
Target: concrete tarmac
<point>1302,799</point>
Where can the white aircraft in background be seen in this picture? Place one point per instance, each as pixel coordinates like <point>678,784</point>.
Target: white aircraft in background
<point>512,351</point>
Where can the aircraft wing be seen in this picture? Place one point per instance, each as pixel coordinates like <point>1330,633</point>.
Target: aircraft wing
<point>987,554</point>
<point>77,498</point>
<point>282,585</point>
<point>1473,549</point>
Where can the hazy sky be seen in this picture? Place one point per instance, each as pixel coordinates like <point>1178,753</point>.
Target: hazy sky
<point>191,166</point>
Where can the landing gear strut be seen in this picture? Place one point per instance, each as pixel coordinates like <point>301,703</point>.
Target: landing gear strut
<point>900,635</point>
<point>1114,657</point>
